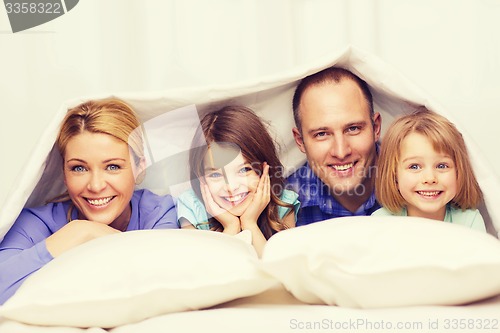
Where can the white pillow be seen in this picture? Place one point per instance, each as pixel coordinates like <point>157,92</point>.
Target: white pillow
<point>370,262</point>
<point>127,277</point>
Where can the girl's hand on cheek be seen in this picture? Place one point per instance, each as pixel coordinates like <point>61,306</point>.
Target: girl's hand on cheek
<point>230,222</point>
<point>260,200</point>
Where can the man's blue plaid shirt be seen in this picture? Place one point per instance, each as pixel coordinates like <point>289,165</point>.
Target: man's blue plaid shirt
<point>316,203</point>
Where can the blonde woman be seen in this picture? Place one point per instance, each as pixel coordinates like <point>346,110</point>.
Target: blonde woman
<point>102,150</point>
<point>424,170</point>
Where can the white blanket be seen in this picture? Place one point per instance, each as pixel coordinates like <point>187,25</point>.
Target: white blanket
<point>170,119</point>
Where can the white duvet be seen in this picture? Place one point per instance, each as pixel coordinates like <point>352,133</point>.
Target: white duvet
<point>169,120</point>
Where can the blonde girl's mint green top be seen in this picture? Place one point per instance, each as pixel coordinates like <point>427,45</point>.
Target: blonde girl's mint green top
<point>470,218</point>
<point>192,209</point>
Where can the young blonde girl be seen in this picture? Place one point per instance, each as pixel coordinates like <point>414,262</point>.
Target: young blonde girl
<point>424,170</point>
<point>236,178</point>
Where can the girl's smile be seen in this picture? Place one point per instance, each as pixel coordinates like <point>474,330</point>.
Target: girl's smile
<point>427,179</point>
<point>233,185</point>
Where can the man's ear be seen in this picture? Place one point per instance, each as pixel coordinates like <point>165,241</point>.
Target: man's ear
<point>298,139</point>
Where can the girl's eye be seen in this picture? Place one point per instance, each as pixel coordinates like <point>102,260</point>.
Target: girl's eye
<point>78,168</point>
<point>414,167</point>
<point>113,167</point>
<point>214,175</point>
<point>442,166</point>
<point>245,169</point>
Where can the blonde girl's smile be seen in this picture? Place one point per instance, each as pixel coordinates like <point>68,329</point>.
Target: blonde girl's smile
<point>427,179</point>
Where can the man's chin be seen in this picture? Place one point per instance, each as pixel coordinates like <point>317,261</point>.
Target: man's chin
<point>346,189</point>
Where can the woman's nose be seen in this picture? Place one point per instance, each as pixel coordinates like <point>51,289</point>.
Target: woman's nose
<point>97,182</point>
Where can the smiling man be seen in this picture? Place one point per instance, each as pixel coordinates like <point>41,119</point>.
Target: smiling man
<point>338,130</point>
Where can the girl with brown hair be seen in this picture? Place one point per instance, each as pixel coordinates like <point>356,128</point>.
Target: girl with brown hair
<point>237,179</point>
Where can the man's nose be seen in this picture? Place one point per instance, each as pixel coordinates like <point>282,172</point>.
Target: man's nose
<point>340,147</point>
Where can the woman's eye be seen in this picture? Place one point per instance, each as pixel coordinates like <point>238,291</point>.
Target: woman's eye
<point>113,167</point>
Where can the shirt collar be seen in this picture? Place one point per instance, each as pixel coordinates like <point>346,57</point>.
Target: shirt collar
<point>314,192</point>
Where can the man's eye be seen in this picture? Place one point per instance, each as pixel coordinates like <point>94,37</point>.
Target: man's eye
<point>353,129</point>
<point>320,134</point>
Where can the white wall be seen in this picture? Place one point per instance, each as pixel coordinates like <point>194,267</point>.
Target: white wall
<point>449,48</point>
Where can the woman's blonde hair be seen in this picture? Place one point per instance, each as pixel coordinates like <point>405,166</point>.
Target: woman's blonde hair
<point>108,116</point>
<point>445,138</point>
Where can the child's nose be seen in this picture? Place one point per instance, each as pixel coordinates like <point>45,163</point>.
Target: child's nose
<point>429,176</point>
<point>232,184</point>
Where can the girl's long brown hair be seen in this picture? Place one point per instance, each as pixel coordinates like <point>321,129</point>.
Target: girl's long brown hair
<point>240,126</point>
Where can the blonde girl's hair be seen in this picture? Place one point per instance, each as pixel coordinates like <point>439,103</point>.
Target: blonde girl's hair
<point>445,138</point>
<point>239,126</point>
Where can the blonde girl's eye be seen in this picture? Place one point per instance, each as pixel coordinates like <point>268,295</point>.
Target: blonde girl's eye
<point>414,166</point>
<point>442,166</point>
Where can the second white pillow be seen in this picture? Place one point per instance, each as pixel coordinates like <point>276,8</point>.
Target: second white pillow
<point>371,262</point>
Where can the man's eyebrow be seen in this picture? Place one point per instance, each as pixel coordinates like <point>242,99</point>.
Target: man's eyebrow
<point>356,123</point>
<point>323,128</point>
